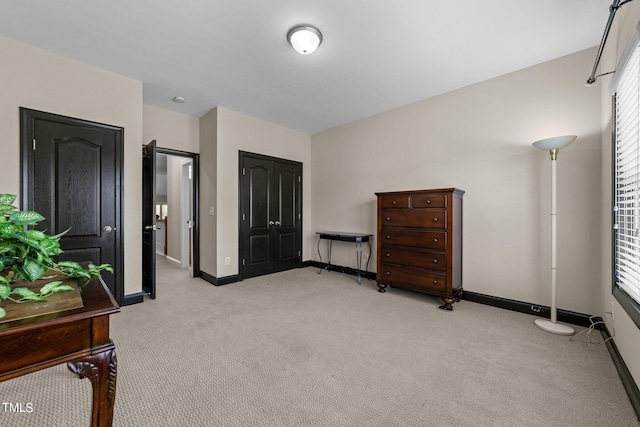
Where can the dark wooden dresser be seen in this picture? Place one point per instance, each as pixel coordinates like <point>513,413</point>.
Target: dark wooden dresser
<point>419,244</point>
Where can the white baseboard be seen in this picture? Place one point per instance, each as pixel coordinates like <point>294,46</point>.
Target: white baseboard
<point>177,261</point>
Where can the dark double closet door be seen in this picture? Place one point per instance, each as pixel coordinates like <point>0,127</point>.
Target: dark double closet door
<point>270,214</point>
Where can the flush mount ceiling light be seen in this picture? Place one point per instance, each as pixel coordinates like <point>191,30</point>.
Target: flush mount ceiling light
<point>304,38</point>
<point>178,99</point>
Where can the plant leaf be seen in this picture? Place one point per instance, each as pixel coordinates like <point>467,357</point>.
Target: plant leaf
<point>69,264</point>
<point>2,313</point>
<point>63,288</point>
<point>8,229</point>
<point>5,291</point>
<point>28,240</point>
<point>49,287</point>
<point>26,217</point>
<point>31,270</point>
<point>36,235</point>
<point>24,292</point>
<point>7,199</point>
<point>50,247</point>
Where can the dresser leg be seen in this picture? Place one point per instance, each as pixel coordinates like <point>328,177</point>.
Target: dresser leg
<point>381,287</point>
<point>448,302</point>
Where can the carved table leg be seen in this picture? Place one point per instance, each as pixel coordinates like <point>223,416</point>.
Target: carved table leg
<point>381,287</point>
<point>101,369</point>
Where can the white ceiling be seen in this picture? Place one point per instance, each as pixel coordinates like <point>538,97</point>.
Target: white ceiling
<point>376,55</point>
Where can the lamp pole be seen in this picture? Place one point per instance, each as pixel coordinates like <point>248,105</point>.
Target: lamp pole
<point>553,145</point>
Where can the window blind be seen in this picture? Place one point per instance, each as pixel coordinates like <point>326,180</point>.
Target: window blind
<point>627,176</point>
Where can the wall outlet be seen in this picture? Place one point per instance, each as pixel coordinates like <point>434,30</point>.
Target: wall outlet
<point>227,261</point>
<point>211,211</point>
<point>612,316</point>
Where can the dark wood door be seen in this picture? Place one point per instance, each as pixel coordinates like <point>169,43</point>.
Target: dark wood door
<point>149,219</point>
<point>270,214</point>
<point>71,175</point>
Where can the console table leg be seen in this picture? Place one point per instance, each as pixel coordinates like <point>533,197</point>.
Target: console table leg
<point>359,258</point>
<point>101,369</point>
<point>319,255</point>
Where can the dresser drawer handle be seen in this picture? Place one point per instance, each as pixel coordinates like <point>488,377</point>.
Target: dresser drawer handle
<point>435,219</point>
<point>394,202</point>
<point>388,236</point>
<point>388,255</point>
<point>428,202</point>
<point>435,261</point>
<point>388,218</point>
<point>388,273</point>
<point>435,282</point>
<point>435,240</point>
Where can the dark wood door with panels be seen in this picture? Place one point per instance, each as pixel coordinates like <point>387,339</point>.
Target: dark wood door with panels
<point>270,214</point>
<point>71,174</point>
<point>149,227</point>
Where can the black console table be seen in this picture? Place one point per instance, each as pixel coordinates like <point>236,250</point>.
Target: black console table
<point>357,238</point>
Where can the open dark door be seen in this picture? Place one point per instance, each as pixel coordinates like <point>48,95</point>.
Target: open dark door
<point>149,219</point>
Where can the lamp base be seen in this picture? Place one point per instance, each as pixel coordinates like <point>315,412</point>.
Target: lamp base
<point>554,328</point>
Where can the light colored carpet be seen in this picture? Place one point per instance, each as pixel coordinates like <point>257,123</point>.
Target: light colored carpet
<point>302,349</point>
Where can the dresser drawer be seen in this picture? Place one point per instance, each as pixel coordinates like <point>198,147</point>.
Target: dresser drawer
<point>415,278</point>
<point>429,201</point>
<point>414,257</point>
<point>414,238</point>
<point>414,218</point>
<point>394,202</point>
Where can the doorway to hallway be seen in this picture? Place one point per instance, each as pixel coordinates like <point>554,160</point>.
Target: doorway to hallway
<point>174,218</point>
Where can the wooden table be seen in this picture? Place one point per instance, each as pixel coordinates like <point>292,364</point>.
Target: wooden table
<point>78,337</point>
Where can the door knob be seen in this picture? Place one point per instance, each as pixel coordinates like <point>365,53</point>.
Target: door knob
<point>271,222</point>
<point>277,222</point>
<point>151,227</point>
<point>107,229</point>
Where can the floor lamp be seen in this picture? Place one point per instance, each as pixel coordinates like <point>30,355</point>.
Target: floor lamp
<point>553,145</point>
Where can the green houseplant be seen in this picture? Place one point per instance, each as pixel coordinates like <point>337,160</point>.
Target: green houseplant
<point>31,254</point>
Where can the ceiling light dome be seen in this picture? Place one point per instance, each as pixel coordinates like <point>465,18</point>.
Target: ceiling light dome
<point>304,38</point>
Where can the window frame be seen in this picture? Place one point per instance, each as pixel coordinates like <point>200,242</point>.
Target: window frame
<point>628,303</point>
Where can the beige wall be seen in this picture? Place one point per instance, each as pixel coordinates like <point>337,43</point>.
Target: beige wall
<point>171,129</point>
<point>174,245</point>
<point>39,80</point>
<point>177,132</point>
<point>479,139</point>
<point>627,334</point>
<point>237,132</point>
<point>208,192</point>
